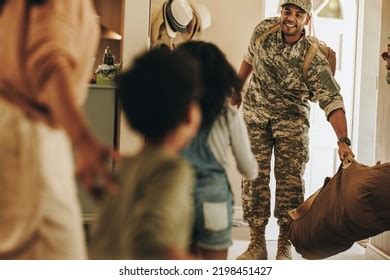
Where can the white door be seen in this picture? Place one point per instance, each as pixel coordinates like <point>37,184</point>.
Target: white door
<point>340,34</point>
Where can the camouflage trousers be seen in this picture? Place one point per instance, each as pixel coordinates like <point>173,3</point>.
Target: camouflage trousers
<point>288,140</point>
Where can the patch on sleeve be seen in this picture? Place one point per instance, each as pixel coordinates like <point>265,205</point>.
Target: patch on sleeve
<point>327,79</point>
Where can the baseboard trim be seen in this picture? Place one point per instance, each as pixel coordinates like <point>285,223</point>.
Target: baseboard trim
<point>374,253</point>
<point>238,220</point>
<point>238,213</point>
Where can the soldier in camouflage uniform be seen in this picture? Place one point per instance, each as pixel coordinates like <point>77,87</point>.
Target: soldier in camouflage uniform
<point>276,111</point>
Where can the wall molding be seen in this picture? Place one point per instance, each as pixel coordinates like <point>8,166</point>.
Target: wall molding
<point>238,220</point>
<point>374,253</point>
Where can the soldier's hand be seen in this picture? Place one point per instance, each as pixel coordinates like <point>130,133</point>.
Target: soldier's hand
<point>345,151</point>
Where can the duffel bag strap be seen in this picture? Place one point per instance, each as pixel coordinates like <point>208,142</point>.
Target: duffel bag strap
<point>347,161</point>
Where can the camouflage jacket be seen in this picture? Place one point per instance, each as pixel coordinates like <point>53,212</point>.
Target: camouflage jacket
<point>278,80</point>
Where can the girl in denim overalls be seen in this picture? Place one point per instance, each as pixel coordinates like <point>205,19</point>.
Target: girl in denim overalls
<point>222,128</point>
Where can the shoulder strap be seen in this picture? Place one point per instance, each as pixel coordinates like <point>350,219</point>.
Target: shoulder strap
<point>310,54</point>
<point>271,30</point>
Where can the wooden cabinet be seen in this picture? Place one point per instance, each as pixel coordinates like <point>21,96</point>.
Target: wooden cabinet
<point>102,113</point>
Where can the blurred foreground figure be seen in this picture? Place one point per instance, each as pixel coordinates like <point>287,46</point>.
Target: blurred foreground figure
<point>47,48</point>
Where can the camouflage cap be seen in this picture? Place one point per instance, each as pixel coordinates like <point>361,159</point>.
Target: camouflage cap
<point>303,4</point>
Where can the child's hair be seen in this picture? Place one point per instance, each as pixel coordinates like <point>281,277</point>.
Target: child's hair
<point>219,78</point>
<point>157,91</point>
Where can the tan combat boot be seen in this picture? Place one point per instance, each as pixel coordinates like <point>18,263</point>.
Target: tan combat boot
<point>257,249</point>
<point>284,245</point>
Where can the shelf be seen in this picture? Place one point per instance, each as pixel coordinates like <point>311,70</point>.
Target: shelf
<point>95,86</point>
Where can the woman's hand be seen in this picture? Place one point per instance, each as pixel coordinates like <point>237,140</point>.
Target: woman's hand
<point>93,165</point>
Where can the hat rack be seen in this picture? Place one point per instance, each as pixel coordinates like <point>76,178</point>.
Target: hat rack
<point>170,25</point>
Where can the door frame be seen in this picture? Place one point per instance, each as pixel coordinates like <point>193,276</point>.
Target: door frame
<point>366,80</point>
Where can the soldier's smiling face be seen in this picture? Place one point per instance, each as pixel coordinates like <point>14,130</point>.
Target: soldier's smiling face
<point>293,20</point>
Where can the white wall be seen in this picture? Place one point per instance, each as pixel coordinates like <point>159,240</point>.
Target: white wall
<point>135,40</point>
<point>135,29</point>
<point>232,25</point>
<point>382,151</point>
<point>381,243</point>
<point>372,103</point>
<point>367,65</point>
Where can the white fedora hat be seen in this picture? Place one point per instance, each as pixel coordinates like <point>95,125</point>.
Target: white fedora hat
<point>202,14</point>
<point>177,15</point>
